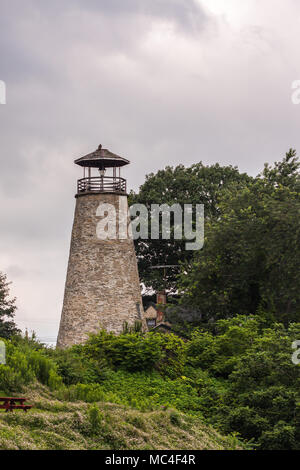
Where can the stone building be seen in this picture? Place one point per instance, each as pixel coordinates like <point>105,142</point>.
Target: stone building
<point>102,287</point>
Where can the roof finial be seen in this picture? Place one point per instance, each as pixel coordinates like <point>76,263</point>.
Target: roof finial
<point>101,157</point>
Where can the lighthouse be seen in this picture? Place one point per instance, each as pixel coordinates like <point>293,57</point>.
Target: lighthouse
<point>102,288</point>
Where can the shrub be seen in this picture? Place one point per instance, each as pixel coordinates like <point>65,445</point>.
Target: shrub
<point>136,352</point>
<point>74,365</point>
<point>282,437</point>
<point>175,418</point>
<point>24,365</point>
<point>95,418</point>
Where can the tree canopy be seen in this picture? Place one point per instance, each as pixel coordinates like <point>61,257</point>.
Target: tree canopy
<point>198,184</point>
<point>250,260</point>
<point>7,310</point>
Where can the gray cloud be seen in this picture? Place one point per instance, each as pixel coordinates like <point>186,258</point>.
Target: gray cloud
<point>160,82</point>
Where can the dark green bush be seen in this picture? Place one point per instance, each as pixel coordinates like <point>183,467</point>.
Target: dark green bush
<point>136,352</point>
<point>76,366</point>
<point>95,418</point>
<point>24,365</point>
<point>241,379</point>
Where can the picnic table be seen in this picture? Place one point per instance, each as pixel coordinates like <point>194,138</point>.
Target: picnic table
<point>13,403</point>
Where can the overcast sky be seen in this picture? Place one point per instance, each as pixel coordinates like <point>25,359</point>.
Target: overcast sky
<point>160,82</point>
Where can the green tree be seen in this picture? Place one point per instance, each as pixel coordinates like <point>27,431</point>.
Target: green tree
<point>7,310</point>
<point>250,260</point>
<point>255,388</point>
<point>198,184</point>
<point>263,395</point>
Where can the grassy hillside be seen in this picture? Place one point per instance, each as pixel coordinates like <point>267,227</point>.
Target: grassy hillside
<point>57,424</point>
<point>124,392</point>
<point>240,380</point>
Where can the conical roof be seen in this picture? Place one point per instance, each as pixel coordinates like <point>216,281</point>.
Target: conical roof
<point>101,158</point>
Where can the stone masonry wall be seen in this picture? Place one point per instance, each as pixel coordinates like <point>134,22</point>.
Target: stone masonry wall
<point>102,287</point>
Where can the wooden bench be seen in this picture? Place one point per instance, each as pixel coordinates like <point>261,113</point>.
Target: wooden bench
<point>13,403</point>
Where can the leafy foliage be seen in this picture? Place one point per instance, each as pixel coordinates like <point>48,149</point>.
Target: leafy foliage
<point>7,310</point>
<point>261,397</point>
<point>95,418</point>
<point>238,376</point>
<point>250,261</point>
<point>134,351</point>
<point>198,184</point>
<point>24,365</point>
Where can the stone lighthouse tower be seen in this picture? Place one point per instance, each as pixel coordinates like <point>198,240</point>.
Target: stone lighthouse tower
<point>102,287</point>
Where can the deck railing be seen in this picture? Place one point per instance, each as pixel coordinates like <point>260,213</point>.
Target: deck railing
<point>100,184</point>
